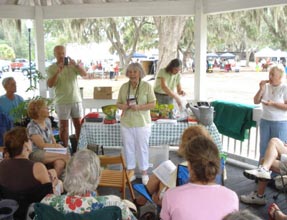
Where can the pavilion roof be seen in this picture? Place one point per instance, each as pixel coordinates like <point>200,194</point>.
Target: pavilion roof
<point>59,9</point>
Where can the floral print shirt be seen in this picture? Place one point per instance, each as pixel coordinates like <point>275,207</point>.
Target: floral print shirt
<point>87,203</point>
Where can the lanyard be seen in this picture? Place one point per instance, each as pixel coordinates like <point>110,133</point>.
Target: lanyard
<point>137,91</point>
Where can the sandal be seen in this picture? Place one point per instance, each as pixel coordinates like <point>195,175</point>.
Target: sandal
<point>272,210</point>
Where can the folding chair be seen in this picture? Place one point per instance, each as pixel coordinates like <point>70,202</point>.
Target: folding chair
<point>142,190</point>
<point>182,177</point>
<point>115,178</point>
<point>281,185</point>
<point>46,212</point>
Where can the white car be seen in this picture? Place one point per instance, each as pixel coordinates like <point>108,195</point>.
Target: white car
<point>4,65</point>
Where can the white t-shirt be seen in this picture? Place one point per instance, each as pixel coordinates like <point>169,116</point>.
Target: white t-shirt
<point>198,202</point>
<point>276,94</point>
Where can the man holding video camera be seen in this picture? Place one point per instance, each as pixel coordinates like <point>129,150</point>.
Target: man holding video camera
<point>62,76</point>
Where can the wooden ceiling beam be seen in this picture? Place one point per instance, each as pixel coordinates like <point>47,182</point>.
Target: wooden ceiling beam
<point>122,8</point>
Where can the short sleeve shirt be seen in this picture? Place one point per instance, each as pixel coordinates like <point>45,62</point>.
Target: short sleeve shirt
<point>66,88</point>
<point>7,105</point>
<point>204,203</point>
<point>34,129</point>
<point>171,80</point>
<point>276,94</point>
<point>87,203</point>
<point>5,125</point>
<point>145,95</point>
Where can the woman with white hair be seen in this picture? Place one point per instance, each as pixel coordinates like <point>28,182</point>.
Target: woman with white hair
<point>136,98</point>
<point>80,182</point>
<point>10,100</point>
<point>272,94</point>
<point>241,215</point>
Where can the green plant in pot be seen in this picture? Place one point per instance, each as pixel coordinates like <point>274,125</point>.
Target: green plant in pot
<point>20,113</point>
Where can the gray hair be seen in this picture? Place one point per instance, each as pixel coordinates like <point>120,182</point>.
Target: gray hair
<point>241,215</point>
<point>278,67</point>
<point>136,66</point>
<point>82,173</point>
<point>6,80</point>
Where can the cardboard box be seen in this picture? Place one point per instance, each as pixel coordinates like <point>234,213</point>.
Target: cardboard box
<point>103,92</point>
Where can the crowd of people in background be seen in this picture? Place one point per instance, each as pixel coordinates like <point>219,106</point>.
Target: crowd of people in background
<point>34,167</point>
<point>109,69</point>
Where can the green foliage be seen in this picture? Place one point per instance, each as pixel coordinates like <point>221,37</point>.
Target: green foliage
<point>20,112</point>
<point>236,31</point>
<point>15,35</point>
<point>6,52</point>
<point>149,35</point>
<point>162,111</point>
<point>35,78</point>
<point>275,20</point>
<point>49,49</point>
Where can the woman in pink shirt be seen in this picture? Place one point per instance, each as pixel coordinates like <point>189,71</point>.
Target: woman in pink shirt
<point>202,198</point>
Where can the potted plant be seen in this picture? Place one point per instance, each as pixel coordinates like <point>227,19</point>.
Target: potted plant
<point>20,112</point>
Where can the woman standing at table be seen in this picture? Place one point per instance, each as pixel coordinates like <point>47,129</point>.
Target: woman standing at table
<point>166,81</point>
<point>272,94</point>
<point>136,98</point>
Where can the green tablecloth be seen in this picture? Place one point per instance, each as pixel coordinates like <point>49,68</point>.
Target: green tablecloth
<point>233,119</point>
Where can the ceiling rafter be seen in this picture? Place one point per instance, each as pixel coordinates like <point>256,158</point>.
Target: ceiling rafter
<point>65,9</point>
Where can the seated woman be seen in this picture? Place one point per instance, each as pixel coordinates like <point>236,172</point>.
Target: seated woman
<point>202,198</point>
<point>41,134</point>
<point>19,175</point>
<point>81,180</point>
<point>273,160</point>
<point>154,186</point>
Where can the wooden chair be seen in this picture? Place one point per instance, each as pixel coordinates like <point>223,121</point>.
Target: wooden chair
<point>115,178</point>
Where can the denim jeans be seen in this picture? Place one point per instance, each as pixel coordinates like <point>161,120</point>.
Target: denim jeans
<point>270,129</point>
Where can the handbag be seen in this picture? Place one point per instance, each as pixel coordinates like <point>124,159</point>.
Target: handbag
<point>281,182</point>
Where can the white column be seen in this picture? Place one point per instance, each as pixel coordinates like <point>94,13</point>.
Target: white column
<point>40,48</point>
<point>200,35</point>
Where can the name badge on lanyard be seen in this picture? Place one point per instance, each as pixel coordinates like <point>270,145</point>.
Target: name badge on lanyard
<point>132,100</point>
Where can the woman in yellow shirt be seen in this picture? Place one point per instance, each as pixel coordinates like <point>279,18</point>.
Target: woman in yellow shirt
<point>166,81</point>
<point>136,98</point>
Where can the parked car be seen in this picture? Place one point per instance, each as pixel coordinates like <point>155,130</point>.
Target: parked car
<point>25,69</point>
<point>18,63</point>
<point>4,65</point>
